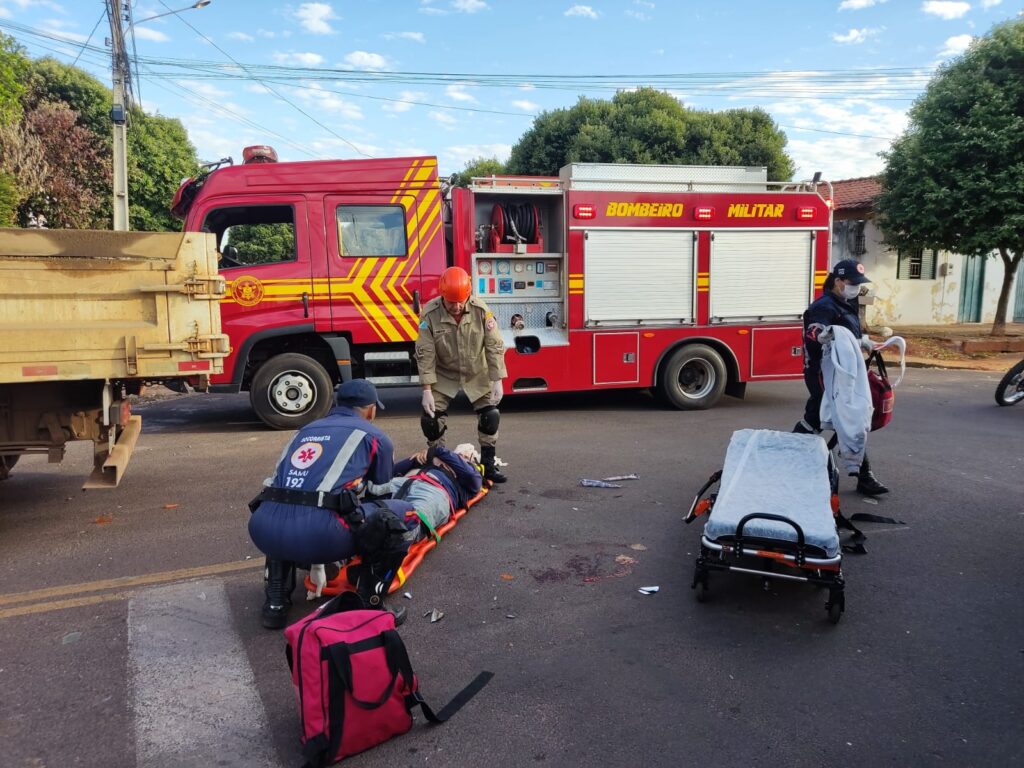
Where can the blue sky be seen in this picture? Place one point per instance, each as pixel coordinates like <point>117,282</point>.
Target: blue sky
<point>839,75</point>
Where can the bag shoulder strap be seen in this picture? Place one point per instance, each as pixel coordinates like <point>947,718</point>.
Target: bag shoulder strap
<point>458,702</point>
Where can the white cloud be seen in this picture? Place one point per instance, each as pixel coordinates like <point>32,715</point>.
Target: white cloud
<point>242,36</point>
<point>259,88</point>
<point>370,62</point>
<point>468,6</point>
<point>208,90</point>
<point>148,33</point>
<point>956,45</point>
<point>331,146</point>
<point>58,28</point>
<point>582,10</point>
<point>638,15</point>
<point>267,34</point>
<point>526,106</point>
<point>527,87</point>
<point>316,18</point>
<point>855,36</point>
<point>405,103</point>
<point>990,3</point>
<point>457,92</point>
<point>443,118</point>
<point>945,9</point>
<point>299,59</point>
<point>4,13</point>
<point>329,102</point>
<point>857,5</point>
<point>455,158</point>
<point>416,37</point>
<point>23,4</point>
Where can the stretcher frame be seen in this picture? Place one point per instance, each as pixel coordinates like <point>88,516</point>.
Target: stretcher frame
<point>417,551</point>
<point>759,556</point>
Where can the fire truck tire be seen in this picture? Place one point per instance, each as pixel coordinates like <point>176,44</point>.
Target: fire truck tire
<point>6,465</point>
<point>692,378</point>
<point>290,390</point>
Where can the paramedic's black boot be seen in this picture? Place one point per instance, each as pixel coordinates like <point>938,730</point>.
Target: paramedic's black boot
<point>491,472</point>
<point>867,483</point>
<point>280,577</point>
<point>803,428</point>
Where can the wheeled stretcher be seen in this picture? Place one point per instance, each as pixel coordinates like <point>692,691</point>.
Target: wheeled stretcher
<point>773,515</point>
<point>342,582</point>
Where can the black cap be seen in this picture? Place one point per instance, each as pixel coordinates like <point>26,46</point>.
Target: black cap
<point>358,393</point>
<point>850,270</point>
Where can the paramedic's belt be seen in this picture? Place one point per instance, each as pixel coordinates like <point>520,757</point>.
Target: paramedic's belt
<point>344,503</point>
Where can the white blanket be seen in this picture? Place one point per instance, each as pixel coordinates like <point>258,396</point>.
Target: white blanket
<point>781,473</point>
<point>846,404</point>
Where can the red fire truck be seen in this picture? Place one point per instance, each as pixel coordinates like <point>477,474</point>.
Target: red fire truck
<point>687,280</point>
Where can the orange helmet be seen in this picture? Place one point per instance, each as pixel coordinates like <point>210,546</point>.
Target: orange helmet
<point>454,285</point>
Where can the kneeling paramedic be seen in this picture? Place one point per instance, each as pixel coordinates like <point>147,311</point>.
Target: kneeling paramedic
<point>436,481</point>
<point>311,509</point>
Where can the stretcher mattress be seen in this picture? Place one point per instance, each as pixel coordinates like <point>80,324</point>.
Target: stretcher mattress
<point>780,473</point>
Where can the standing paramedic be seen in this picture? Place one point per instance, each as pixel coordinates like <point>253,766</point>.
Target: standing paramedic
<point>460,348</point>
<point>837,305</point>
<point>311,510</point>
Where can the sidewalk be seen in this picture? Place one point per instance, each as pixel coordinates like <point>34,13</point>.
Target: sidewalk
<point>963,346</point>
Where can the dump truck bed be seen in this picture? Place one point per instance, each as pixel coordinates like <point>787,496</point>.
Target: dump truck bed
<point>82,304</point>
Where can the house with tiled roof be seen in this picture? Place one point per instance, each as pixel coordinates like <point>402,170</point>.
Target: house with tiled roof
<point>922,287</point>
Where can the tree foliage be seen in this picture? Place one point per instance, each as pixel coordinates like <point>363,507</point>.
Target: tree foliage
<point>8,200</point>
<point>13,67</point>
<point>954,180</point>
<point>53,81</point>
<point>159,157</point>
<point>479,166</point>
<point>649,126</point>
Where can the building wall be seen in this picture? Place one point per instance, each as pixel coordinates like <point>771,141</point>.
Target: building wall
<point>914,302</point>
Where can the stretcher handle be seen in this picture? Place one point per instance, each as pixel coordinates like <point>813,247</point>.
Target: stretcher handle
<point>690,516</point>
<point>777,518</point>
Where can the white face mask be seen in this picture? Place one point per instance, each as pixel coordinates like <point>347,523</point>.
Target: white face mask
<point>851,292</point>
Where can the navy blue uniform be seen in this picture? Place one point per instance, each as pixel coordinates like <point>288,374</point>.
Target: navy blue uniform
<point>828,309</point>
<point>340,451</point>
<point>465,485</point>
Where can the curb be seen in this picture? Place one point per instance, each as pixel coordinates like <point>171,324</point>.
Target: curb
<point>950,365</point>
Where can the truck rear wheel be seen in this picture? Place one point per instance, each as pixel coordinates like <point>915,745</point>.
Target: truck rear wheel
<point>693,378</point>
<point>291,390</point>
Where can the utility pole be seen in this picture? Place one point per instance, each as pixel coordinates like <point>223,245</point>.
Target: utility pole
<point>121,75</point>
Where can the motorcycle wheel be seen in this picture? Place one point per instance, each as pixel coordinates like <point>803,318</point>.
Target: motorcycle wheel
<point>1011,388</point>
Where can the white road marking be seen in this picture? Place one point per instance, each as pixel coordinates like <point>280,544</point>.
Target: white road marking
<point>193,691</point>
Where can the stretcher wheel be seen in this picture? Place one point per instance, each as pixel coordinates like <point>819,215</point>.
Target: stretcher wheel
<point>835,613</point>
<point>701,592</point>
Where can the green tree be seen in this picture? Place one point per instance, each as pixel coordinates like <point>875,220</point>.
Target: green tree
<point>479,166</point>
<point>160,156</point>
<point>54,81</point>
<point>649,126</point>
<point>8,200</point>
<point>953,180</point>
<point>13,68</point>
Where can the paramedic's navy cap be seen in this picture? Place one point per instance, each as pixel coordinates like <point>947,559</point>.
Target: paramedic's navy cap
<point>359,393</point>
<point>851,270</point>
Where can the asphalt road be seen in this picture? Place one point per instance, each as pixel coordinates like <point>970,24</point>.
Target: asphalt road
<point>926,668</point>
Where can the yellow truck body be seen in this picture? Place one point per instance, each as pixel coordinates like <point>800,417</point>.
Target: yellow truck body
<point>88,318</point>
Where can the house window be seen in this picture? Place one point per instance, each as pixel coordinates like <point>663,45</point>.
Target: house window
<point>917,265</point>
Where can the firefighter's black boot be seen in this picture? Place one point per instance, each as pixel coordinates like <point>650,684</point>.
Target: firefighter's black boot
<point>867,483</point>
<point>280,578</point>
<point>373,580</point>
<point>803,428</point>
<point>491,472</point>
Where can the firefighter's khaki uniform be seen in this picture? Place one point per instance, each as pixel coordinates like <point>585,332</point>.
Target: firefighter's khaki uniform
<point>466,356</point>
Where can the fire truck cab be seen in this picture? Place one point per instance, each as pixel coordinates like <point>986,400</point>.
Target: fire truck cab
<point>687,280</point>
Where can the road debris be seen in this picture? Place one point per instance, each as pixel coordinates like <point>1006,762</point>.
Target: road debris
<point>638,547</point>
<point>407,595</point>
<point>171,506</point>
<point>104,519</point>
<point>70,637</point>
<point>598,484</point>
<point>648,590</point>
<point>616,478</point>
<point>436,616</point>
<point>507,577</point>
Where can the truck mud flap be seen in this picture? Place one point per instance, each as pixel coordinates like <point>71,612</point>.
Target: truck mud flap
<point>110,468</point>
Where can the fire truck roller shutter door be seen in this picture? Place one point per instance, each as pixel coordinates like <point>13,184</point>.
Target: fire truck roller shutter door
<point>290,390</point>
<point>692,377</point>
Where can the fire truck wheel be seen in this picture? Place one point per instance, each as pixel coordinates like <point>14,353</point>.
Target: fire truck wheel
<point>693,378</point>
<point>291,390</point>
<point>6,465</point>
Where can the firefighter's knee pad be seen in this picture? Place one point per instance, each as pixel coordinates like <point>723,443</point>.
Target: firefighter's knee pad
<point>487,419</point>
<point>434,426</point>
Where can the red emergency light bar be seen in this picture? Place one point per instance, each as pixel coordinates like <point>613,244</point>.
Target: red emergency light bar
<point>805,213</point>
<point>704,214</point>
<point>584,211</point>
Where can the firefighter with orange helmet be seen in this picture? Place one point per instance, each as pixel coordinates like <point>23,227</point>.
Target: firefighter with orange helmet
<point>460,348</point>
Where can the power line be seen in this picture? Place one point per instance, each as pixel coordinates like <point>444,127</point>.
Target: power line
<point>94,28</point>
<point>278,95</point>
